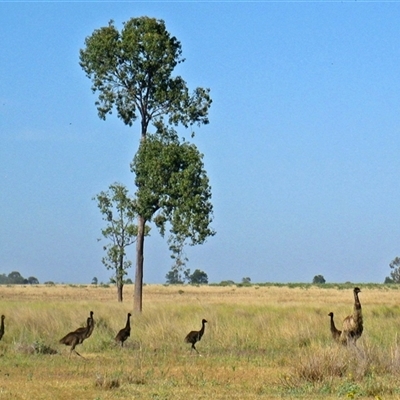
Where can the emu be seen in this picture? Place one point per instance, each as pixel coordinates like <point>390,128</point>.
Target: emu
<point>84,328</point>
<point>125,332</point>
<point>76,337</point>
<point>91,325</point>
<point>334,331</point>
<point>195,336</point>
<point>353,324</point>
<point>2,326</point>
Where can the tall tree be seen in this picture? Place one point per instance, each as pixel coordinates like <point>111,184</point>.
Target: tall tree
<point>119,212</point>
<point>132,72</point>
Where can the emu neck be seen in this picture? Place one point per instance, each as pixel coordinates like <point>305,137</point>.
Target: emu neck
<point>357,304</point>
<point>203,326</point>
<point>88,325</point>
<point>333,327</point>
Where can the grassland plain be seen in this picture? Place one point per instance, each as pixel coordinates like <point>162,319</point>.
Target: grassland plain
<point>261,341</point>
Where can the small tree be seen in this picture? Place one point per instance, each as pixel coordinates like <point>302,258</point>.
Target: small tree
<point>95,281</point>
<point>15,278</point>
<point>174,277</point>
<point>395,273</point>
<point>318,279</point>
<point>198,278</point>
<point>33,281</point>
<point>118,211</point>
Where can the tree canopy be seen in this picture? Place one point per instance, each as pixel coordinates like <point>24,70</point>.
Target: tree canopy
<point>132,72</point>
<point>318,279</point>
<point>173,189</point>
<point>15,278</point>
<point>174,277</point>
<point>395,273</point>
<point>198,278</point>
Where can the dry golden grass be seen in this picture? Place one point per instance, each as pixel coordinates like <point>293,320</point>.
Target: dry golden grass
<point>261,341</point>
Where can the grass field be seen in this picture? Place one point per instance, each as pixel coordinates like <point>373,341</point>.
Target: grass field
<point>269,342</point>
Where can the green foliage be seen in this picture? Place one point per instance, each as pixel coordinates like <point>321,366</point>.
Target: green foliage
<point>173,188</point>
<point>174,277</point>
<point>198,278</point>
<point>15,278</point>
<point>40,347</point>
<point>395,273</point>
<point>118,210</point>
<point>132,71</point>
<point>246,281</point>
<point>318,279</point>
<point>227,283</point>
<point>33,281</point>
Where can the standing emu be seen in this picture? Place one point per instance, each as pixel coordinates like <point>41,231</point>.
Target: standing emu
<point>195,336</point>
<point>90,331</point>
<point>353,324</point>
<point>334,331</point>
<point>2,327</point>
<point>124,333</point>
<point>84,328</point>
<point>76,337</point>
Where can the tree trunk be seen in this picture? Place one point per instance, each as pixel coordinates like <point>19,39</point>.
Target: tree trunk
<point>119,290</point>
<point>137,297</point>
<point>120,275</point>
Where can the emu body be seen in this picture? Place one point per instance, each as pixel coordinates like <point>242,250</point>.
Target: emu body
<point>76,337</point>
<point>334,331</point>
<point>84,328</point>
<point>195,336</point>
<point>125,332</point>
<point>353,324</point>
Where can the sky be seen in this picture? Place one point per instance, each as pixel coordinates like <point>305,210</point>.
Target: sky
<point>302,149</point>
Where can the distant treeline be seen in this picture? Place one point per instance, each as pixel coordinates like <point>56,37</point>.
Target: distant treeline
<point>15,278</point>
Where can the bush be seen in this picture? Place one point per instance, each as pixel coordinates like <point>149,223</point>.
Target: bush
<point>198,278</point>
<point>318,279</point>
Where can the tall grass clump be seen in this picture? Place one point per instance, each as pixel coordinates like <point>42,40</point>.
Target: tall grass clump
<point>346,370</point>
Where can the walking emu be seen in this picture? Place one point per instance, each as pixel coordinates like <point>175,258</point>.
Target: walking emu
<point>195,336</point>
<point>2,327</point>
<point>353,324</point>
<point>124,333</point>
<point>334,331</point>
<point>76,337</point>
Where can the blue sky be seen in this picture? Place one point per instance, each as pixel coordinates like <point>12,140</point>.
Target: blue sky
<point>302,149</point>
